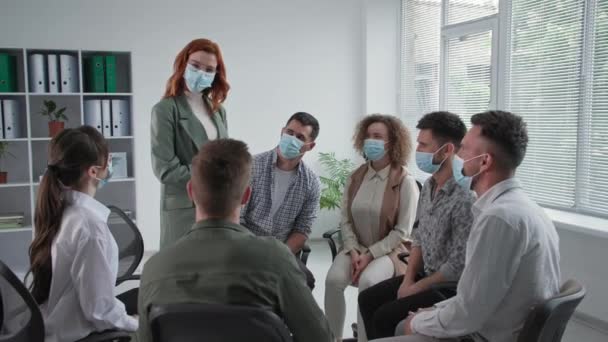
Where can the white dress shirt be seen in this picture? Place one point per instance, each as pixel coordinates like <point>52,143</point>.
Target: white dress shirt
<point>366,208</point>
<point>85,264</point>
<point>512,263</point>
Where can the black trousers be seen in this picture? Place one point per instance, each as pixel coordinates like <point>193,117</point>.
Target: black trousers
<point>129,298</point>
<point>382,311</point>
<point>310,278</point>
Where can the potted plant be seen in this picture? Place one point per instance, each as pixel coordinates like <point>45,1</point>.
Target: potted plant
<point>4,152</point>
<point>56,116</point>
<point>333,188</point>
<point>338,172</point>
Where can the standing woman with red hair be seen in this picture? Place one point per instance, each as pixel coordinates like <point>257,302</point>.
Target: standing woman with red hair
<point>189,115</point>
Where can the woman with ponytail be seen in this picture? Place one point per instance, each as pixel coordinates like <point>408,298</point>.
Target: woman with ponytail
<point>74,257</point>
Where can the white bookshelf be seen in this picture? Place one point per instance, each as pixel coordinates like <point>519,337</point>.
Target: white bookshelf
<point>31,146</point>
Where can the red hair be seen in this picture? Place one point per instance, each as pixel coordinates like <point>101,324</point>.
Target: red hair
<point>219,88</point>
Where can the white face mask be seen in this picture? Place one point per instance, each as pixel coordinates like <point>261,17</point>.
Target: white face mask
<point>103,182</point>
<point>197,80</point>
<point>458,171</point>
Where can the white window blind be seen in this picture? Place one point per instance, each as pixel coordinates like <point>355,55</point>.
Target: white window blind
<point>421,27</point>
<point>465,10</point>
<point>469,67</point>
<point>594,167</point>
<point>545,89</point>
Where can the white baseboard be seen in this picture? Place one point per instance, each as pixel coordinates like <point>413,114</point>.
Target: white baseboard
<point>591,322</point>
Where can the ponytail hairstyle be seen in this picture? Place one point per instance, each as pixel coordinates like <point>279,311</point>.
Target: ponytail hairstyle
<point>71,153</point>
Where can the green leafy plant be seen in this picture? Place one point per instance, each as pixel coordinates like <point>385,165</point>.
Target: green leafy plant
<point>338,172</point>
<point>4,152</point>
<point>50,109</point>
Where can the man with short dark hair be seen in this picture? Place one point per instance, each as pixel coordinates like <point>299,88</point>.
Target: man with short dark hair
<point>219,261</point>
<point>285,191</point>
<point>439,235</point>
<point>512,258</point>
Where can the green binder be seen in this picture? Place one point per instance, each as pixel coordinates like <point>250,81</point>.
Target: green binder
<point>110,74</point>
<point>8,73</point>
<point>94,74</point>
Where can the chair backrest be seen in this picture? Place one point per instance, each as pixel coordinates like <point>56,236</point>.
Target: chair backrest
<point>22,320</point>
<point>130,243</point>
<point>547,321</point>
<point>191,322</point>
<point>419,185</point>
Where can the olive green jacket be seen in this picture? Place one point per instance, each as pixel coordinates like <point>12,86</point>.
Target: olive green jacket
<point>176,135</point>
<point>224,263</point>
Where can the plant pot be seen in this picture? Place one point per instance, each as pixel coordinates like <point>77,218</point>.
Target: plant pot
<point>55,127</point>
<point>3,177</point>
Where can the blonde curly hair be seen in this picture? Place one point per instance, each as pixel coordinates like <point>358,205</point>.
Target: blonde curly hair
<point>399,139</point>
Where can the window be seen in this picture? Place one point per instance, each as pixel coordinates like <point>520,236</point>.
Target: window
<point>546,60</point>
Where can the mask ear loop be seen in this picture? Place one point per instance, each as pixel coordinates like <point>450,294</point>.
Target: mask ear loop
<point>439,149</point>
<point>481,155</point>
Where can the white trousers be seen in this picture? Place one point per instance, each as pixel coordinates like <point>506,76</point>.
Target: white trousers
<point>339,277</point>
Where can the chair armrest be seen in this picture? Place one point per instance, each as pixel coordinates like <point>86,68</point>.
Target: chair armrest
<point>107,336</point>
<point>329,236</point>
<point>330,233</point>
<point>128,278</point>
<point>403,256</point>
<point>306,249</point>
<point>445,289</point>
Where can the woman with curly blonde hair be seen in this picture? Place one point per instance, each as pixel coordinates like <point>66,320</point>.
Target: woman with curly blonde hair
<point>378,211</point>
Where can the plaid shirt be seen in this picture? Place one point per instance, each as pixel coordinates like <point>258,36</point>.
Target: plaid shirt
<point>298,210</point>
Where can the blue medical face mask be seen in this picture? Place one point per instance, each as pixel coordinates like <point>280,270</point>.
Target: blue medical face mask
<point>458,169</point>
<point>197,80</point>
<point>373,149</point>
<point>290,146</point>
<point>104,182</point>
<point>424,161</point>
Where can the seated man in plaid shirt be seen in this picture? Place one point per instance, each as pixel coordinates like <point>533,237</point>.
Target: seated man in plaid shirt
<point>285,192</point>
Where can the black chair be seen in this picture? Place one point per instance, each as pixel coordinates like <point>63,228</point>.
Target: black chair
<point>332,236</point>
<point>304,253</point>
<point>190,322</point>
<point>130,253</point>
<point>130,244</point>
<point>21,317</point>
<point>547,321</point>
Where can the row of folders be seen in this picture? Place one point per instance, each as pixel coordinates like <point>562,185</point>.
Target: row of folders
<point>58,73</point>
<point>110,117</point>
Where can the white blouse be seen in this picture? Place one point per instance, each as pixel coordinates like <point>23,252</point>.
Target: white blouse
<point>85,265</point>
<point>366,208</point>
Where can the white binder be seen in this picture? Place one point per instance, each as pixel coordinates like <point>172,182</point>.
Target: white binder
<point>1,122</point>
<point>106,118</point>
<point>120,118</point>
<point>53,71</point>
<point>92,114</point>
<point>68,70</point>
<point>37,73</point>
<point>12,119</point>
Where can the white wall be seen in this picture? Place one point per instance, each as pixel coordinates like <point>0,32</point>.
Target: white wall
<point>281,56</point>
<point>382,50</point>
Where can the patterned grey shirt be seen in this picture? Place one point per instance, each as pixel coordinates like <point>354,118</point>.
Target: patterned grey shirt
<point>300,205</point>
<point>443,224</point>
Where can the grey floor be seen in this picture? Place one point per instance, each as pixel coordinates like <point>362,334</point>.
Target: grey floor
<point>320,261</point>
